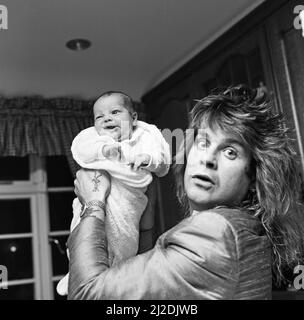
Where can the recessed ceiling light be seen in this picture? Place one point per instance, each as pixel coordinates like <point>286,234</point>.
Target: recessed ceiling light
<point>78,44</point>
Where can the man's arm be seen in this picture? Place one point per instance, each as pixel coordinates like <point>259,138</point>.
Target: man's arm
<point>195,260</point>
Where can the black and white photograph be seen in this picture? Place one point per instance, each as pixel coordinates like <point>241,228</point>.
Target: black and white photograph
<point>151,150</point>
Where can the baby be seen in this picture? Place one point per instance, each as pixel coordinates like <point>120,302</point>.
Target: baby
<point>129,150</point>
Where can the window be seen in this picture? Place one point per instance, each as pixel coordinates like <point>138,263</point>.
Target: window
<point>36,197</point>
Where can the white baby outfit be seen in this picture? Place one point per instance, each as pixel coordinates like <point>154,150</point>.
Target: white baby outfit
<point>127,200</point>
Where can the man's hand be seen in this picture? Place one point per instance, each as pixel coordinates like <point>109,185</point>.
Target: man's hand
<point>140,161</point>
<point>92,185</point>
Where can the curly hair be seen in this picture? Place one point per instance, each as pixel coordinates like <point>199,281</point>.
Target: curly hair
<point>275,192</point>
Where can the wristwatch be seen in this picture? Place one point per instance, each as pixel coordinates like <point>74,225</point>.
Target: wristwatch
<point>93,203</point>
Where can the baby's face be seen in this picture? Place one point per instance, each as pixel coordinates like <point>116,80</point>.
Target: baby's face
<point>112,118</point>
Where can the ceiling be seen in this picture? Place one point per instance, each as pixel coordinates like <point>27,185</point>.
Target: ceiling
<point>135,43</point>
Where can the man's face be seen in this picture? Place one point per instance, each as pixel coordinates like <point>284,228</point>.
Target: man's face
<point>216,171</point>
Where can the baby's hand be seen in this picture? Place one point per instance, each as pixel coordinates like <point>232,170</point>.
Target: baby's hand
<point>139,161</point>
<point>112,151</point>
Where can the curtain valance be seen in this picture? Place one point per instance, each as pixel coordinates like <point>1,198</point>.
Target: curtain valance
<point>33,125</point>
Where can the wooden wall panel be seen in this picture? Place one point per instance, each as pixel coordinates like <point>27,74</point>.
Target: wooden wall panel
<point>287,51</point>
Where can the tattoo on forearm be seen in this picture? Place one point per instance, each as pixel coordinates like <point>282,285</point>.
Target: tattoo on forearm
<point>96,181</point>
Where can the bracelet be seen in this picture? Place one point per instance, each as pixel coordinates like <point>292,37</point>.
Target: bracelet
<point>93,203</point>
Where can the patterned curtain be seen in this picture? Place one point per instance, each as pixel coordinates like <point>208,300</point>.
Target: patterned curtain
<point>45,127</point>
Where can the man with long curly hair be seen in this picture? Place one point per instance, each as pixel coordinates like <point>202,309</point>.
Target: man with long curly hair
<point>237,179</point>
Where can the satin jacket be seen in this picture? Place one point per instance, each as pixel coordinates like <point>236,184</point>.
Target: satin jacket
<point>217,254</point>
